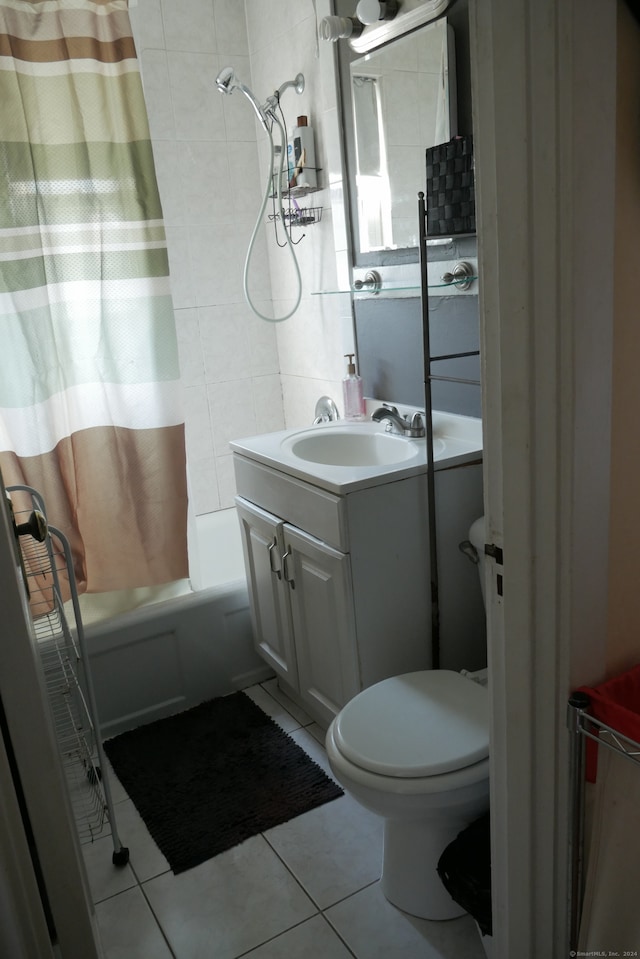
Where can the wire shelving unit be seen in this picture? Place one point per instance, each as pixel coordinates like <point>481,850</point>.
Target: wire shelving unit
<point>48,569</point>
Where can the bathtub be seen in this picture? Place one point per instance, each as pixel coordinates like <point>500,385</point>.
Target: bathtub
<point>157,652</point>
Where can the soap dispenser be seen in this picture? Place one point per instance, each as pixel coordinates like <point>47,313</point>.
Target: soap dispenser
<point>352,392</point>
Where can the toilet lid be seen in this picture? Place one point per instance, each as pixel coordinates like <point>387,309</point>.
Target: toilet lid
<point>419,724</point>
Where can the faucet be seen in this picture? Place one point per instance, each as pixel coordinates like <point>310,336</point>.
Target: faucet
<point>396,423</point>
<point>326,411</point>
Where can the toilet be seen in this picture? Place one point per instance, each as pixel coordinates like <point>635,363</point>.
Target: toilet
<point>415,750</point>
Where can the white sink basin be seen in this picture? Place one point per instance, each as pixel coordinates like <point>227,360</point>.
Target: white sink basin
<point>345,456</point>
<point>344,446</point>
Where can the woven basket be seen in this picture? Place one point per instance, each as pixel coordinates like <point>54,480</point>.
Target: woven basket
<point>450,196</point>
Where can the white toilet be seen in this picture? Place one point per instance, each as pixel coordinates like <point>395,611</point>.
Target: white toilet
<point>415,750</point>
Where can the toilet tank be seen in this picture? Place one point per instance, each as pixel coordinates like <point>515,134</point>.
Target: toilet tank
<point>477,539</point>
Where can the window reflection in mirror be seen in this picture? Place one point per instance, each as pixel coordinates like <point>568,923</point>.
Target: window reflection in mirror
<point>401,98</point>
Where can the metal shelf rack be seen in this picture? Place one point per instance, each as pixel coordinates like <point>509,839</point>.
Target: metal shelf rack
<point>429,377</point>
<point>47,561</point>
<point>584,727</point>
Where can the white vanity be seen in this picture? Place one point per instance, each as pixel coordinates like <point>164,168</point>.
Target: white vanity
<point>336,546</point>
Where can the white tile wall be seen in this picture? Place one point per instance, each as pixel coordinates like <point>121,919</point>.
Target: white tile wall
<point>282,41</point>
<point>242,375</point>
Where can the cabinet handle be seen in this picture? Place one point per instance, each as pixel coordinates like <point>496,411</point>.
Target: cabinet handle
<point>289,579</point>
<point>271,566</point>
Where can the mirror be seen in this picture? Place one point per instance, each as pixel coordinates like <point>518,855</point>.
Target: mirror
<point>398,100</point>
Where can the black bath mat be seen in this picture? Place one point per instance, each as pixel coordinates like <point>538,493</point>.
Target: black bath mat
<point>211,777</point>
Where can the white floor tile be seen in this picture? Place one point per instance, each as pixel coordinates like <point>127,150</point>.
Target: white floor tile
<point>272,708</point>
<point>317,732</point>
<point>374,929</point>
<point>105,879</point>
<point>313,747</point>
<point>229,904</point>
<point>271,686</point>
<point>118,792</point>
<point>145,858</point>
<point>245,902</point>
<point>333,850</point>
<point>128,929</point>
<point>314,939</point>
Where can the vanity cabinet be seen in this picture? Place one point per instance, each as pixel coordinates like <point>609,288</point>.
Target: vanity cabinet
<point>302,609</point>
<point>339,584</point>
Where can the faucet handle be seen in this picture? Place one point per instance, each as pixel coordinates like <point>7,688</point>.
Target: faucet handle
<point>326,411</point>
<point>390,407</point>
<point>417,422</point>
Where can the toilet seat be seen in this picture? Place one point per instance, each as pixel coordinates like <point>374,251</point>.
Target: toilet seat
<point>417,725</point>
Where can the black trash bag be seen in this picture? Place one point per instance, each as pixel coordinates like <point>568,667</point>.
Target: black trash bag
<point>465,870</point>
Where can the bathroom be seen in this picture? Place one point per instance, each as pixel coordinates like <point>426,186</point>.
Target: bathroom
<point>310,353</point>
<point>292,364</point>
<point>243,376</point>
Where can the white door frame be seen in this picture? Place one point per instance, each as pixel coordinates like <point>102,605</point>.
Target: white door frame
<point>543,74</point>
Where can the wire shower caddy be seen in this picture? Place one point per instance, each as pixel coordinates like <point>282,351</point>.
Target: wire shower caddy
<point>294,213</point>
<point>46,559</point>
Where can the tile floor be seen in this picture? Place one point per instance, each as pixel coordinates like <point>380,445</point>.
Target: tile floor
<point>308,888</point>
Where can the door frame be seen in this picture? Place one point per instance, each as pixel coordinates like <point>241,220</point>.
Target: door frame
<point>543,79</point>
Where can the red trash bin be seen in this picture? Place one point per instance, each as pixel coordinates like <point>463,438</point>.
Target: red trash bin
<point>616,703</point>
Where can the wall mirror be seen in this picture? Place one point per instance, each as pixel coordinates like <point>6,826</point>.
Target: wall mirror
<point>398,100</point>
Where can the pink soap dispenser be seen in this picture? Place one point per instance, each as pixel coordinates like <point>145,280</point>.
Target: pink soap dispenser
<point>352,392</point>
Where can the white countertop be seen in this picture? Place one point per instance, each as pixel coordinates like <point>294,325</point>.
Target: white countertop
<point>457,439</point>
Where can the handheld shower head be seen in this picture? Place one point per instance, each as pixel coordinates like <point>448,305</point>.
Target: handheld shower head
<point>227,82</point>
<point>267,113</point>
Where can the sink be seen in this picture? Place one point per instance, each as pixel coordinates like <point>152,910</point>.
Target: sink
<point>344,446</point>
<point>344,456</point>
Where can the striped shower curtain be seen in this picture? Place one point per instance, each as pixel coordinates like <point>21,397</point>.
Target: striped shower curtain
<point>90,412</point>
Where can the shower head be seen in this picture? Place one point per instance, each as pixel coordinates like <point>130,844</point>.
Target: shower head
<point>227,82</point>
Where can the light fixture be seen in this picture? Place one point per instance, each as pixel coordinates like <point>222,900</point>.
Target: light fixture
<point>371,11</point>
<point>339,28</point>
<point>379,21</point>
<point>409,17</point>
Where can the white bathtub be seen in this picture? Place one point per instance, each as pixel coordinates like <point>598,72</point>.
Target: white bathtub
<point>156,652</point>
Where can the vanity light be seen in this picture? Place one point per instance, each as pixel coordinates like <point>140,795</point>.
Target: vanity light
<point>339,28</point>
<point>412,14</point>
<point>370,11</point>
<point>376,22</point>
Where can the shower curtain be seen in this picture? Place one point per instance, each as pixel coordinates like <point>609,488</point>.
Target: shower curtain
<point>90,411</point>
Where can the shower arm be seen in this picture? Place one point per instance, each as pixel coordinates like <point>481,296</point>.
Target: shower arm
<point>271,103</point>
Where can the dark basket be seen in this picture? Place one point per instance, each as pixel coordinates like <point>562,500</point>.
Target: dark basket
<point>465,871</point>
<point>451,197</point>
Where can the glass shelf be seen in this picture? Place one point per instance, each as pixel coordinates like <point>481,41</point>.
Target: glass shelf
<point>393,289</point>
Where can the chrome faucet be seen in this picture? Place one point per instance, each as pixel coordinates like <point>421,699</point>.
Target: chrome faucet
<point>396,423</point>
<point>326,411</point>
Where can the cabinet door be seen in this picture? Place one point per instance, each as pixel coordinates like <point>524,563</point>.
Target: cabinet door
<point>268,599</point>
<point>319,582</point>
